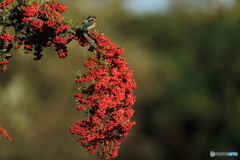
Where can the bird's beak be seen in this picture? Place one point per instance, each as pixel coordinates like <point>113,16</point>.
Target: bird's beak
<point>99,19</point>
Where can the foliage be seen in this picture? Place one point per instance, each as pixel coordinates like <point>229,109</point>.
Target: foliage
<point>193,61</point>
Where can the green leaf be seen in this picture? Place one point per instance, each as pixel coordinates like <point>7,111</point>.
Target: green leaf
<point>19,9</point>
<point>8,55</point>
<point>79,72</point>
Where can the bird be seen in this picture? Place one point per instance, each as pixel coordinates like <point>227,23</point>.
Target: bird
<point>89,23</point>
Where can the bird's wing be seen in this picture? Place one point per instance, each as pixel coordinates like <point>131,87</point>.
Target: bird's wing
<point>86,25</point>
<point>85,21</point>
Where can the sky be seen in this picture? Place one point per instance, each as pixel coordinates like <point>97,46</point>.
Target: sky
<point>143,6</point>
<point>150,6</point>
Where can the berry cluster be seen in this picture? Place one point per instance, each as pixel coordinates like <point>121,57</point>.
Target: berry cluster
<point>44,26</point>
<point>37,26</point>
<point>4,132</point>
<point>5,46</point>
<point>4,4</point>
<point>107,100</point>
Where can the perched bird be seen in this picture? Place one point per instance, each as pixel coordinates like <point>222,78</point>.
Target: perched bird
<point>89,23</point>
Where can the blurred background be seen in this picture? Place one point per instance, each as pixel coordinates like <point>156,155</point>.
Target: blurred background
<point>186,58</point>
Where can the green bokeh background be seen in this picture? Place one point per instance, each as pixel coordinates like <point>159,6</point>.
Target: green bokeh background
<point>187,67</point>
